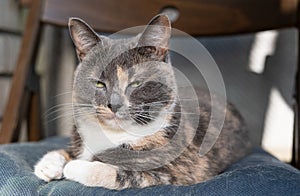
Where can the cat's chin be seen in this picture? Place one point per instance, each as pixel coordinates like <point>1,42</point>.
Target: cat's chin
<point>114,123</point>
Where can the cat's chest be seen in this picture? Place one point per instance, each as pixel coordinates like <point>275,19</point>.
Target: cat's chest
<point>96,139</point>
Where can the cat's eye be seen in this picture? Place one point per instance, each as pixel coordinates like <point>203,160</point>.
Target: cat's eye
<point>136,84</point>
<point>100,84</point>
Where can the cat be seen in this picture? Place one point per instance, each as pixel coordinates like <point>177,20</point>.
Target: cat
<point>131,130</point>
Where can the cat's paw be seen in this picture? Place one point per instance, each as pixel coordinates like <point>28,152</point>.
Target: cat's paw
<point>51,166</point>
<point>91,173</point>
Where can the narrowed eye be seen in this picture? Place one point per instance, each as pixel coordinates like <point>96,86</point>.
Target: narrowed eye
<point>136,84</point>
<point>100,84</point>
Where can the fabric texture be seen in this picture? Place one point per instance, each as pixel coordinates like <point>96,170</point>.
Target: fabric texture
<point>257,174</point>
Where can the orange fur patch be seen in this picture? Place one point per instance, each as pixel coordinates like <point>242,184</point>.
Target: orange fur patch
<point>122,77</point>
<point>65,154</point>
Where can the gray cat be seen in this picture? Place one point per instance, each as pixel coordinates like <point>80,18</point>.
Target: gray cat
<point>131,129</point>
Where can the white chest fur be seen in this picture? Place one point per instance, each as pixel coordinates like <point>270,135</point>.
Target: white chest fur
<point>97,139</point>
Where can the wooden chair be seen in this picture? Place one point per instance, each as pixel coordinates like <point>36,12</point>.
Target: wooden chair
<point>203,17</point>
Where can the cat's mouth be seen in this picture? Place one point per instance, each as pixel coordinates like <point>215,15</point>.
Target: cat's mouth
<point>109,117</point>
<point>114,121</point>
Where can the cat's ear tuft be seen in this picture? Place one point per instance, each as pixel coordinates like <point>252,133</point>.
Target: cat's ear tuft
<point>157,32</point>
<point>83,36</point>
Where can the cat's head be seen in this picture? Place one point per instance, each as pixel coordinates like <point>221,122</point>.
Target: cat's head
<point>127,82</point>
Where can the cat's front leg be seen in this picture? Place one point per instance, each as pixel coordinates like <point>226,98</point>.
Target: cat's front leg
<point>98,174</point>
<point>51,165</point>
<point>92,173</point>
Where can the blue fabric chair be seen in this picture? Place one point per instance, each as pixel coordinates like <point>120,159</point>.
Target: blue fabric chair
<point>257,174</point>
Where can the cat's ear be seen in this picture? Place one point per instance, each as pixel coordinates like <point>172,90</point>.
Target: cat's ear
<point>83,36</point>
<point>157,32</point>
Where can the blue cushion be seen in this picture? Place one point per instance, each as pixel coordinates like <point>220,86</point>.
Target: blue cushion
<point>257,174</point>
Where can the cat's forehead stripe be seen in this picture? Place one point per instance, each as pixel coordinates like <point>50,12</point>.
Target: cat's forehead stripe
<point>122,77</point>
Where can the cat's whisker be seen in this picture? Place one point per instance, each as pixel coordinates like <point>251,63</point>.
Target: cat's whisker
<point>141,116</point>
<point>160,103</point>
<point>165,112</point>
<point>153,118</point>
<point>83,104</point>
<point>59,117</point>
<point>83,116</point>
<point>59,105</point>
<point>65,106</point>
<point>140,121</point>
<point>84,112</point>
<point>75,113</point>
<point>57,111</point>
<point>46,114</point>
<point>70,114</point>
<point>62,94</point>
<point>148,104</point>
<point>144,118</point>
<point>154,102</point>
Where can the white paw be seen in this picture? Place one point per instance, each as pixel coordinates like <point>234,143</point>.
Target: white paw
<point>91,173</point>
<point>51,166</point>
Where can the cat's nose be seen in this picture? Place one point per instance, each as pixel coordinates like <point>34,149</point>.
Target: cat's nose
<point>114,107</point>
<point>115,102</point>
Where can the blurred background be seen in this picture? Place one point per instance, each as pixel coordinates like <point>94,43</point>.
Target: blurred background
<point>258,71</point>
